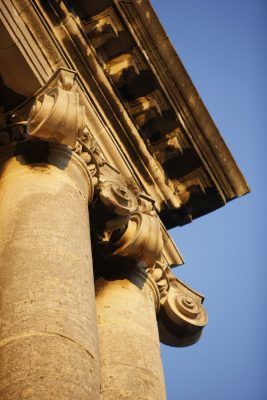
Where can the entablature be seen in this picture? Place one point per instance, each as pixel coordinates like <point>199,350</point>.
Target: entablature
<point>149,121</point>
<point>184,111</point>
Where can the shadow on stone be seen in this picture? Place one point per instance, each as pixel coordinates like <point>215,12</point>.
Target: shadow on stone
<point>41,152</point>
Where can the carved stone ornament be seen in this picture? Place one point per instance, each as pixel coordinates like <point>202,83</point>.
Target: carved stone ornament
<point>159,273</point>
<point>88,157</point>
<point>137,236</point>
<point>147,107</point>
<point>172,145</point>
<point>183,309</point>
<point>182,316</point>
<point>58,116</point>
<point>142,239</point>
<point>103,26</point>
<point>118,198</point>
<point>125,67</point>
<point>11,128</point>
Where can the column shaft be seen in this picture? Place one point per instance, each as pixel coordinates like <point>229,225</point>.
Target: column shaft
<point>48,333</point>
<point>131,365</point>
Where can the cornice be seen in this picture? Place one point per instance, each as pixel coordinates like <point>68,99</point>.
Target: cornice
<point>144,24</point>
<point>138,47</point>
<point>109,109</point>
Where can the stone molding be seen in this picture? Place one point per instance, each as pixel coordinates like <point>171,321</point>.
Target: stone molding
<point>61,89</point>
<point>88,156</point>
<point>197,178</point>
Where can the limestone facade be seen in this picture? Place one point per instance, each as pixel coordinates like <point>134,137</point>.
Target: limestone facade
<point>104,146</point>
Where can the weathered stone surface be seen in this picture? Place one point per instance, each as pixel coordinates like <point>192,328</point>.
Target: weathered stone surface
<point>48,333</point>
<point>57,115</point>
<point>128,336</point>
<point>121,86</point>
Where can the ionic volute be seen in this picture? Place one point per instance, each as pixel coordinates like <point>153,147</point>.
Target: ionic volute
<point>57,114</point>
<point>134,232</point>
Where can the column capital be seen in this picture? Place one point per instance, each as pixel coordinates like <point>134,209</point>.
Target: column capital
<point>181,317</point>
<point>125,221</point>
<point>142,239</point>
<point>131,229</point>
<point>52,124</point>
<point>57,114</point>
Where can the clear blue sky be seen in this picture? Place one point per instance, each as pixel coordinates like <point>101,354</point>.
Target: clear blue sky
<point>223,45</point>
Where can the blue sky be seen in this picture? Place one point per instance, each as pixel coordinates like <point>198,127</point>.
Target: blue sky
<point>223,46</point>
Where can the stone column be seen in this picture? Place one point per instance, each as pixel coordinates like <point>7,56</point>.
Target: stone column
<point>134,289</point>
<point>48,333</point>
<point>126,301</point>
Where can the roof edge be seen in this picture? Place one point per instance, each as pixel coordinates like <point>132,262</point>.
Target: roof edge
<point>183,83</point>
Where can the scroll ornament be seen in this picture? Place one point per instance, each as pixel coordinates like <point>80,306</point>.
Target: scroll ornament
<point>181,316</point>
<point>134,232</point>
<point>118,198</point>
<point>57,115</point>
<point>130,229</point>
<point>184,309</point>
<point>142,239</point>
